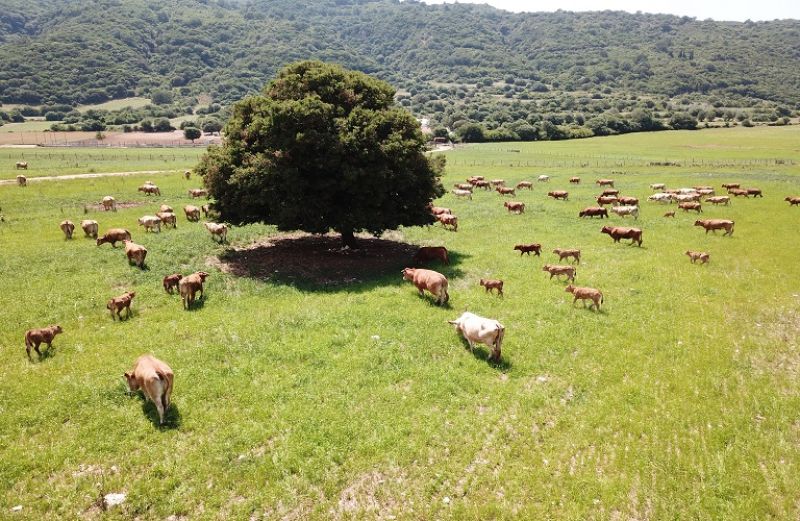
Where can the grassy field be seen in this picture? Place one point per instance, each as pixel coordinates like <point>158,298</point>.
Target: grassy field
<point>117,104</point>
<point>27,126</point>
<point>679,400</point>
<point>70,161</point>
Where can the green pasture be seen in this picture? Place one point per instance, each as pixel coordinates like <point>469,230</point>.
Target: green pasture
<point>34,125</point>
<point>299,400</point>
<point>73,160</point>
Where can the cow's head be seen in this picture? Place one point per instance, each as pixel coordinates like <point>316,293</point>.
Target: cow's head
<point>133,384</point>
<point>408,273</point>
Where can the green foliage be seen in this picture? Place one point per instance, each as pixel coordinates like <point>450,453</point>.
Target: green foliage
<point>683,121</point>
<point>322,148</point>
<point>192,133</point>
<point>161,97</point>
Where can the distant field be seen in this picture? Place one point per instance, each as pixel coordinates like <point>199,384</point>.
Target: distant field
<point>27,126</point>
<point>117,104</point>
<point>301,399</point>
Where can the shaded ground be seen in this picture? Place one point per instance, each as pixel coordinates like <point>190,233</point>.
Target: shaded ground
<point>319,260</point>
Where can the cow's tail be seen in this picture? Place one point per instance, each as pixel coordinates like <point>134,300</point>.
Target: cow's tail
<point>498,342</point>
<point>28,342</point>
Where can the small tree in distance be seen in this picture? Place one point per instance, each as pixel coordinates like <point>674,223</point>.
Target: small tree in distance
<point>192,133</point>
<point>323,148</point>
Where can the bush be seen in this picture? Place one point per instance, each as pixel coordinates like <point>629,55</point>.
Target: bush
<point>683,121</point>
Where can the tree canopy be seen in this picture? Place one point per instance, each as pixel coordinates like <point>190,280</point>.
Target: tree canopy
<point>323,148</point>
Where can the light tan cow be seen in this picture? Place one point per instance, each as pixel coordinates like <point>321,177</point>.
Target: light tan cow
<point>155,379</point>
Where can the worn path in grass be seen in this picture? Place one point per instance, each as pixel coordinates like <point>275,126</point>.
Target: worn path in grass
<point>86,176</point>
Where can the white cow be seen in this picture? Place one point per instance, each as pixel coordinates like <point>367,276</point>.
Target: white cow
<point>684,198</point>
<point>543,178</point>
<point>217,230</point>
<point>463,193</point>
<point>622,211</point>
<point>150,223</point>
<point>661,197</point>
<point>482,330</point>
<point>658,186</point>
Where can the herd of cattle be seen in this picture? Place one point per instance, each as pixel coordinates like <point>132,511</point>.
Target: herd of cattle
<point>155,378</point>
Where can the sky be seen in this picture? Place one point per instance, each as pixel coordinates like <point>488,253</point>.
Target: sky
<point>730,10</point>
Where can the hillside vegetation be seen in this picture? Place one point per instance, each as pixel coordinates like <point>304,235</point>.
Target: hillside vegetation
<point>541,75</point>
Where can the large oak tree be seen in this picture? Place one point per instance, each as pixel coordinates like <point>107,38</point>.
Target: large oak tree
<point>323,148</point>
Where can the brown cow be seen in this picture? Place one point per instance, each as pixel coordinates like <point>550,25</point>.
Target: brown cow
<point>35,337</point>
<point>719,199</point>
<point>430,280</point>
<point>136,253</point>
<point>486,185</point>
<point>109,203</point>
<point>626,200</point>
<point>464,186</point>
<point>605,182</point>
<point>619,232</point>
<point>793,201</point>
<point>716,224</point>
<point>610,191</point>
<point>502,190</point>
<point>755,192</point>
<point>198,192</point>
<point>168,219</point>
<point>430,253</point>
<point>117,304</point>
<point>536,248</point>
<point>498,182</point>
<point>585,294</point>
<point>728,186</point>
<point>113,236</point>
<point>439,210</point>
<point>90,228</point>
<point>515,206</point>
<point>491,285</point>
<point>189,286</point>
<point>149,189</point>
<point>170,282</point>
<point>525,184</point>
<point>575,180</point>
<point>695,256</point>
<point>67,227</point>
<point>738,192</point>
<point>448,220</point>
<point>564,253</point>
<point>22,180</point>
<point>192,213</point>
<point>609,199</point>
<point>593,211</point>
<point>558,194</point>
<point>165,209</point>
<point>557,271</point>
<point>155,379</point>
<point>691,206</point>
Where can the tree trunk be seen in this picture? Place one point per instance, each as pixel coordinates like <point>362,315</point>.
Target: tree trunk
<point>349,239</point>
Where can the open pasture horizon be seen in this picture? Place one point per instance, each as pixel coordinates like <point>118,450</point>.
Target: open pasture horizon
<point>304,400</point>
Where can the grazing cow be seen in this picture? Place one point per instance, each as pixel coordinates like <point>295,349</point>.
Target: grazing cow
<point>622,211</point>
<point>187,174</point>
<point>36,337</point>
<point>543,178</point>
<point>198,192</point>
<point>515,206</point>
<point>149,189</point>
<point>524,184</point>
<point>658,186</point>
<point>755,192</point>
<point>557,271</point>
<point>165,209</point>
<point>575,180</point>
<point>502,190</point>
<point>155,379</point>
<point>170,282</point>
<point>189,286</point>
<point>109,203</point>
<point>706,192</point>
<point>90,228</point>
<point>67,227</point>
<point>217,230</point>
<point>476,329</point>
<point>610,191</point>
<point>113,236</point>
<point>430,253</point>
<point>619,232</point>
<point>150,223</point>
<point>136,253</point>
<point>474,179</point>
<point>448,220</point>
<point>585,294</point>
<point>593,211</point>
<point>22,165</point>
<point>686,198</point>
<point>627,200</point>
<point>719,199</point>
<point>738,192</point>
<point>685,191</point>
<point>716,224</point>
<point>462,193</point>
<point>535,247</point>
<point>486,185</point>
<point>793,201</point>
<point>661,197</point>
<point>728,186</point>
<point>22,180</point>
<point>168,219</point>
<point>464,186</point>
<point>117,304</point>
<point>438,210</point>
<point>670,214</point>
<point>604,182</point>
<point>702,187</point>
<point>192,213</point>
<point>498,182</point>
<point>695,256</point>
<point>694,205</point>
<point>558,194</point>
<point>491,285</point>
<point>564,253</point>
<point>609,199</point>
<point>430,280</point>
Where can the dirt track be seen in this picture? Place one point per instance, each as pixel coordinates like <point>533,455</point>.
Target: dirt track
<point>87,176</point>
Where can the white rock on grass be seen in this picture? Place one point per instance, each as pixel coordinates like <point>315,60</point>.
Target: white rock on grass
<point>113,499</point>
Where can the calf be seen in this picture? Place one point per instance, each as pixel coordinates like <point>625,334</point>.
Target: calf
<point>514,206</point>
<point>557,271</point>
<point>658,186</point>
<point>593,211</point>
<point>430,280</point>
<point>113,236</point>
<point>585,294</point>
<point>192,213</point>
<point>217,230</point>
<point>525,184</point>
<point>536,248</point>
<point>476,329</point>
<point>670,214</point>
<point>149,189</point>
<point>695,256</point>
<point>109,203</point>
<point>575,180</point>
<point>136,253</point>
<point>117,304</point>
<point>150,223</point>
<point>558,194</point>
<point>430,253</point>
<point>90,228</point>
<point>502,190</point>
<point>21,165</point>
<point>462,193</point>
<point>170,282</point>
<point>448,220</point>
<point>67,227</point>
<point>719,199</point>
<point>189,286</point>
<point>622,211</point>
<point>35,337</point>
<point>198,192</point>
<point>716,224</point>
<point>793,201</point>
<point>564,253</point>
<point>492,284</point>
<point>543,178</point>
<point>619,232</point>
<point>168,219</point>
<point>605,182</point>
<point>22,180</point>
<point>155,379</point>
<point>694,205</point>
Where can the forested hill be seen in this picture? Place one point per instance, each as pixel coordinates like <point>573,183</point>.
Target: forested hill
<point>88,51</point>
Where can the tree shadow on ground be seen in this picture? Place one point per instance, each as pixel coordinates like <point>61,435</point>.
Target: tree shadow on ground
<point>319,263</point>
